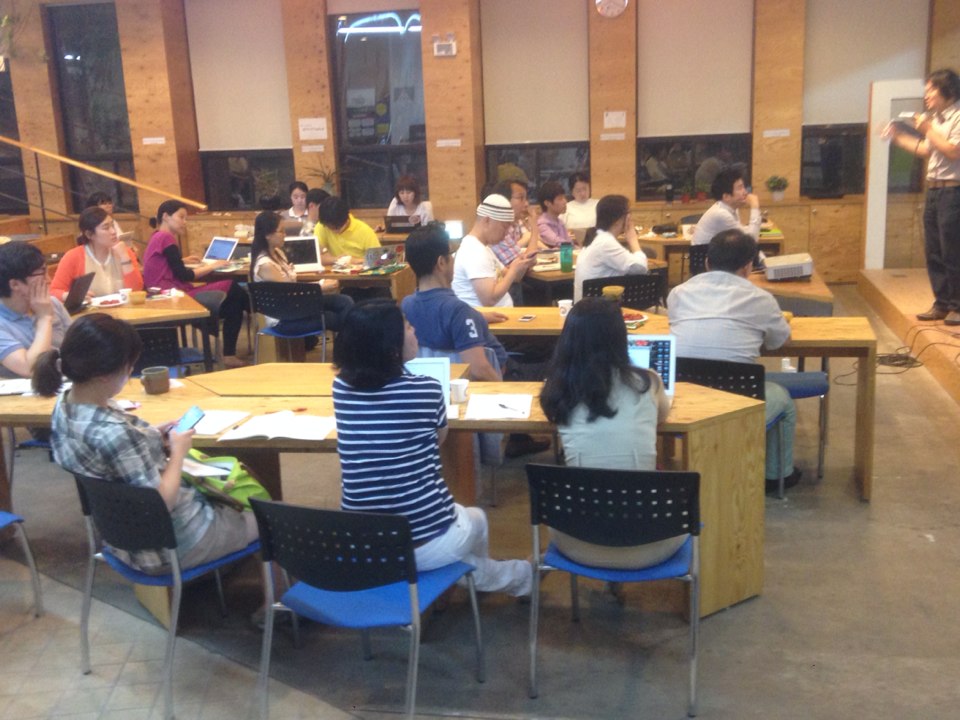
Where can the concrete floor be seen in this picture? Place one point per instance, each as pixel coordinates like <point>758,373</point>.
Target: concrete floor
<point>857,616</point>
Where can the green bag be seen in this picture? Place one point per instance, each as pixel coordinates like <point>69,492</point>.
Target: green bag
<point>233,490</point>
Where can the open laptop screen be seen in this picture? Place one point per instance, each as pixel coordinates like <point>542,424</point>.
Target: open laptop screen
<point>303,252</point>
<point>220,248</point>
<point>657,353</point>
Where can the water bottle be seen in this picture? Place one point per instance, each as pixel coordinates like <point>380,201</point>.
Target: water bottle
<point>566,257</point>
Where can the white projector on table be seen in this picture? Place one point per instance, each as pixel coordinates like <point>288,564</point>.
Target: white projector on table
<point>789,267</point>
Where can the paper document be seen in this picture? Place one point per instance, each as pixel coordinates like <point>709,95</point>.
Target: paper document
<point>498,407</point>
<point>199,469</point>
<point>16,386</point>
<point>283,424</point>
<point>215,422</point>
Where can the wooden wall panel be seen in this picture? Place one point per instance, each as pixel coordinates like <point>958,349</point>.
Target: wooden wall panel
<point>453,101</point>
<point>944,50</point>
<point>160,104</point>
<point>309,85</point>
<point>836,235</point>
<point>613,87</point>
<point>38,111</point>
<point>794,221</point>
<point>778,42</point>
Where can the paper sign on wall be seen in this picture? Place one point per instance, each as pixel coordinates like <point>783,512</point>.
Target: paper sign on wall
<point>777,132</point>
<point>313,128</point>
<point>154,141</point>
<point>311,148</point>
<point>614,119</point>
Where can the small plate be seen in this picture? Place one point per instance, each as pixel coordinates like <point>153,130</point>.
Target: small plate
<point>112,300</point>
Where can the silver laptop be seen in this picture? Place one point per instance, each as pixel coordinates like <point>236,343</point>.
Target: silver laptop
<point>304,253</point>
<point>220,248</point>
<point>657,353</point>
<point>436,367</point>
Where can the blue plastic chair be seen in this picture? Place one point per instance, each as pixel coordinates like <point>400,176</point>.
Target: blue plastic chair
<point>8,519</point>
<point>133,519</point>
<point>30,444</point>
<point>745,379</point>
<point>354,570</point>
<point>801,385</point>
<point>289,301</point>
<point>617,508</point>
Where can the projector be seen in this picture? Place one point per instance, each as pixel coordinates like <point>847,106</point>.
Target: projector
<point>789,267</point>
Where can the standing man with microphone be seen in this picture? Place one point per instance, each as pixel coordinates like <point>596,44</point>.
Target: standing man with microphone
<point>936,136</point>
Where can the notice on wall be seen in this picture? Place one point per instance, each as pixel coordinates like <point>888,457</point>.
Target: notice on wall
<point>449,142</point>
<point>614,119</point>
<point>612,136</point>
<point>154,141</point>
<point>311,148</point>
<point>776,132</point>
<point>312,128</point>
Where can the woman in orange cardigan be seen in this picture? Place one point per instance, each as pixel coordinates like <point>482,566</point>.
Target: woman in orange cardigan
<point>100,252</point>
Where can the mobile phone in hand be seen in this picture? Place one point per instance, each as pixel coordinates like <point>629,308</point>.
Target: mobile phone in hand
<point>190,418</point>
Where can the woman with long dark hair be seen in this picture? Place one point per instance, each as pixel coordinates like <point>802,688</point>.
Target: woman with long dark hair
<point>390,425</point>
<point>606,412</point>
<point>602,254</point>
<point>92,436</point>
<point>165,267</point>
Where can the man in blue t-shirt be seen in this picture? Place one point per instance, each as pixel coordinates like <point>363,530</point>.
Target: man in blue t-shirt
<point>441,319</point>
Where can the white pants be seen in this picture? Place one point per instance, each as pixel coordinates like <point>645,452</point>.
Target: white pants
<point>468,540</point>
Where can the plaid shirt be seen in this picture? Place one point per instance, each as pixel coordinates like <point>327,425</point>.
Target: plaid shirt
<point>107,443</point>
<point>507,250</point>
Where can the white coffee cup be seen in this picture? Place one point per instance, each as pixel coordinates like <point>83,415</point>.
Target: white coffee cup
<point>125,294</point>
<point>565,307</point>
<point>458,390</point>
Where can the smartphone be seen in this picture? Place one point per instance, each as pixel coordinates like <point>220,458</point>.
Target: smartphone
<point>190,418</point>
<point>526,318</point>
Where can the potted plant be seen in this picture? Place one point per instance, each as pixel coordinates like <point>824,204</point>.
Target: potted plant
<point>776,184</point>
<point>326,175</point>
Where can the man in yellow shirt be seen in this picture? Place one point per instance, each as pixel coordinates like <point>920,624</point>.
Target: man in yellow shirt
<point>340,233</point>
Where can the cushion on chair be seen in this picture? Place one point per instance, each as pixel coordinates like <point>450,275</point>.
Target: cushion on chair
<point>384,606</point>
<point>166,579</point>
<point>8,518</point>
<point>674,566</point>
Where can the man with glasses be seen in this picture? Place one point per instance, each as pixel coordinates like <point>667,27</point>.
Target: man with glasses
<point>31,322</point>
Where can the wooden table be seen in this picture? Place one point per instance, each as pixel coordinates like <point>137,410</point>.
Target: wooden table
<point>556,284</point>
<point>809,337</point>
<point>808,296</point>
<point>673,249</point>
<point>401,282</point>
<point>720,436</point>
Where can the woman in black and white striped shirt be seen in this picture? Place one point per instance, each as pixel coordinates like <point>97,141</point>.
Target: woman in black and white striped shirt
<point>389,427</point>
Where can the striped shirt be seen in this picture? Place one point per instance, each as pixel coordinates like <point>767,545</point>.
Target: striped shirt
<point>389,455</point>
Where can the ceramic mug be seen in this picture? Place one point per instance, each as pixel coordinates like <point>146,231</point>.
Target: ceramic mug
<point>156,380</point>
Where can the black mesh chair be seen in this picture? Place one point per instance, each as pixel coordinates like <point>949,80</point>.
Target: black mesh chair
<point>289,301</point>
<point>354,570</point>
<point>210,325</point>
<point>161,346</point>
<point>135,519</point>
<point>639,291</point>
<point>617,508</point>
<point>745,379</point>
<point>697,256</point>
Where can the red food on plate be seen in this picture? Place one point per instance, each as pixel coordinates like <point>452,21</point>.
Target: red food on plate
<point>630,316</point>
<point>107,303</point>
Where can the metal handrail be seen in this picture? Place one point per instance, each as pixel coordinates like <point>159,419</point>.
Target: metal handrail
<point>96,171</point>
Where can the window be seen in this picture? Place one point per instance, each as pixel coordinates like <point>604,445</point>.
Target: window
<point>86,56</point>
<point>687,165</point>
<point>13,191</point>
<point>237,179</point>
<point>834,160</point>
<point>536,163</point>
<point>378,86</point>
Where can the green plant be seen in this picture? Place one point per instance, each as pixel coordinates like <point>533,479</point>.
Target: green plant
<point>326,175</point>
<point>777,183</point>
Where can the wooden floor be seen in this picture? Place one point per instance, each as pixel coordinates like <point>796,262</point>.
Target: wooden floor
<point>897,296</point>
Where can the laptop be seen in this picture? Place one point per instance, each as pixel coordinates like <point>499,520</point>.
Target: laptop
<point>220,248</point>
<point>454,229</point>
<point>241,252</point>
<point>436,367</point>
<point>76,299</point>
<point>657,353</point>
<point>304,253</point>
<point>578,235</point>
<point>292,227</point>
<point>398,224</point>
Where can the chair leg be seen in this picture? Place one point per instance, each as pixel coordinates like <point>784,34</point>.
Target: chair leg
<point>220,599</point>
<point>694,643</point>
<point>264,677</point>
<point>167,685</point>
<point>34,576</point>
<point>11,433</point>
<point>780,468</point>
<point>822,445</point>
<point>574,599</point>
<point>481,664</point>
<point>493,486</point>
<point>87,600</point>
<point>256,348</point>
<point>534,618</point>
<point>414,656</point>
<point>323,346</point>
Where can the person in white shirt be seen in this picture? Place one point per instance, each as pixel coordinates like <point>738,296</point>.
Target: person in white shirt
<point>602,254</point>
<point>298,201</point>
<point>406,202</point>
<point>721,315</point>
<point>479,278</point>
<point>731,194</point>
<point>582,209</point>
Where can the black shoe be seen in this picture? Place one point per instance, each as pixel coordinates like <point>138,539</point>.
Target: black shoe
<point>934,313</point>
<point>773,486</point>
<point>952,318</point>
<point>519,445</point>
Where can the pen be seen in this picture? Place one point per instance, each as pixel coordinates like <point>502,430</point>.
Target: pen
<point>507,407</point>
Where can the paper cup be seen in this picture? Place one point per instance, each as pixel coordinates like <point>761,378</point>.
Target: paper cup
<point>565,307</point>
<point>458,390</point>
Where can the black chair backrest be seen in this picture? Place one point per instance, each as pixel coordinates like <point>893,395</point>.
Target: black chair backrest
<point>698,259</point>
<point>738,378</point>
<point>287,301</point>
<point>616,508</point>
<point>639,291</point>
<point>127,517</point>
<point>336,550</point>
<point>161,346</point>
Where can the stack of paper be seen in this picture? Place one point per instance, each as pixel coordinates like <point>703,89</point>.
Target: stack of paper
<point>283,424</point>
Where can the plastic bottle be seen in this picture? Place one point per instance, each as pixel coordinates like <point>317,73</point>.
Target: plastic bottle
<point>566,257</point>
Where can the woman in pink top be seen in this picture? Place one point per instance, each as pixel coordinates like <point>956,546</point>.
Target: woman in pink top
<point>164,267</point>
<point>99,251</point>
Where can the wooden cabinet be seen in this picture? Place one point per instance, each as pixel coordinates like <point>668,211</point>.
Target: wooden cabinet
<point>904,241</point>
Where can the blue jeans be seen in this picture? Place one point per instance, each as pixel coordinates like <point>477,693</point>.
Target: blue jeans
<point>778,401</point>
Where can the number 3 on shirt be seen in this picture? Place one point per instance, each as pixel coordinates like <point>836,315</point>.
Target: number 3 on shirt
<point>472,328</point>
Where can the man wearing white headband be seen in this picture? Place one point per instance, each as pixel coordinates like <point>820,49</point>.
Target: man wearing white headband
<point>480,279</point>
